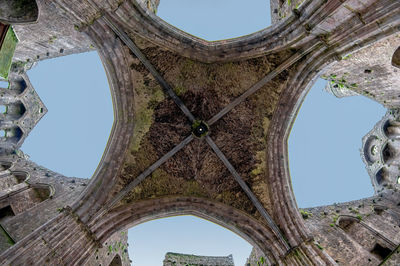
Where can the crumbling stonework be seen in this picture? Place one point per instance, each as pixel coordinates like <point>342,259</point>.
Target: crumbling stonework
<point>367,227</point>
<point>257,258</point>
<point>369,72</point>
<point>177,259</point>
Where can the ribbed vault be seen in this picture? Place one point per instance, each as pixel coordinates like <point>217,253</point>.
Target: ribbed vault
<point>247,91</point>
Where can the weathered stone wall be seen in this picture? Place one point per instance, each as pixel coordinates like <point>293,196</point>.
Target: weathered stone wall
<point>114,252</point>
<point>359,232</point>
<point>280,9</point>
<point>57,32</point>
<point>18,11</point>
<point>33,209</point>
<point>52,36</point>
<point>177,259</point>
<point>368,72</point>
<point>257,256</point>
<point>303,35</point>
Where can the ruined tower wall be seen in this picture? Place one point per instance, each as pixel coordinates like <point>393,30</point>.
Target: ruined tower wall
<point>32,210</point>
<point>177,259</point>
<point>361,232</point>
<point>368,72</point>
<point>57,32</point>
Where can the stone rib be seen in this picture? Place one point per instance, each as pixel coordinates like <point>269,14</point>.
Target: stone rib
<point>285,65</point>
<point>136,51</point>
<point>147,172</point>
<point>248,192</point>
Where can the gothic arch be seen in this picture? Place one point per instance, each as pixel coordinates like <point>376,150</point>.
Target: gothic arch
<point>248,228</point>
<point>278,37</point>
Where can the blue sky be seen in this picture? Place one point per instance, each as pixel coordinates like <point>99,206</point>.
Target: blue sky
<point>324,144</point>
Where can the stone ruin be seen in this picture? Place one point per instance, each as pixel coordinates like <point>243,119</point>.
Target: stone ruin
<point>247,91</point>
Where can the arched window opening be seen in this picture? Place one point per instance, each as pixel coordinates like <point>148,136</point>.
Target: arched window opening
<point>117,261</point>
<point>3,109</point>
<point>3,134</point>
<point>324,148</point>
<point>396,58</point>
<point>203,18</point>
<point>83,102</point>
<point>149,242</point>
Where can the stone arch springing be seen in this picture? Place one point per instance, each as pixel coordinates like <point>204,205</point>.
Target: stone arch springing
<point>234,220</point>
<point>370,239</point>
<point>396,58</point>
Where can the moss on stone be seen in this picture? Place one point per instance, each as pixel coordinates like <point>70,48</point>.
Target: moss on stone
<point>8,238</point>
<point>146,100</point>
<point>7,52</point>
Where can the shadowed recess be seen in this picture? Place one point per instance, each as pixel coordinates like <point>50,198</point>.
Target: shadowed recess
<point>18,11</point>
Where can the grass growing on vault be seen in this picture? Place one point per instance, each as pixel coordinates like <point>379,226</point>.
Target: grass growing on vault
<point>7,53</point>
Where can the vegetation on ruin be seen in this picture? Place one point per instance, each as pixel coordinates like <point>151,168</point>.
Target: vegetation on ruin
<point>7,52</point>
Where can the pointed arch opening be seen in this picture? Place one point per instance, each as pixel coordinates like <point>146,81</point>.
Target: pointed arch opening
<point>324,148</point>
<point>203,18</point>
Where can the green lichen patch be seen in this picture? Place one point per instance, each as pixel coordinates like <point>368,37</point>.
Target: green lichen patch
<point>161,184</point>
<point>7,52</point>
<point>146,100</point>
